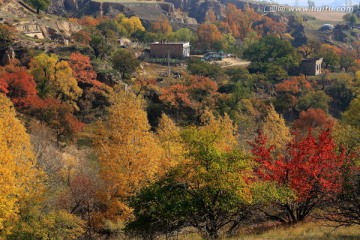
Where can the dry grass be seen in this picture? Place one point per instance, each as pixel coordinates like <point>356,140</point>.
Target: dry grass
<point>330,17</point>
<point>303,231</point>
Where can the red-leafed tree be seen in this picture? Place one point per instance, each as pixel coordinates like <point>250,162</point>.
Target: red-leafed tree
<point>18,85</point>
<point>83,70</point>
<point>310,167</point>
<point>96,95</point>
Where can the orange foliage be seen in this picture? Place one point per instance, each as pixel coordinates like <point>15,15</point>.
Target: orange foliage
<point>270,27</point>
<point>294,85</point>
<point>289,90</point>
<point>89,21</point>
<point>241,22</point>
<point>314,119</point>
<point>208,34</point>
<point>59,116</point>
<point>82,37</point>
<point>161,26</point>
<point>197,93</point>
<point>332,48</point>
<point>210,16</point>
<point>82,68</point>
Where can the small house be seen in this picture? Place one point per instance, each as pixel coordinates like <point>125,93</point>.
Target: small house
<point>311,66</point>
<point>170,49</point>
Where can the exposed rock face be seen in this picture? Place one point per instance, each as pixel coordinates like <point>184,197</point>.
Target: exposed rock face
<point>199,10</point>
<point>67,7</point>
<point>340,31</point>
<point>297,31</point>
<point>8,56</point>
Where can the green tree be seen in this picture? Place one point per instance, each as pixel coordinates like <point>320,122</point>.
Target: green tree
<point>124,62</point>
<point>271,50</point>
<point>351,19</point>
<point>313,99</point>
<point>183,34</point>
<point>100,45</point>
<point>201,68</point>
<point>352,115</point>
<point>39,4</point>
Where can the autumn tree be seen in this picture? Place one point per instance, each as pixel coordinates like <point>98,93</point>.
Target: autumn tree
<point>6,34</point>
<point>191,97</point>
<point>240,21</point>
<point>347,59</point>
<point>274,127</point>
<point>21,181</point>
<point>128,154</point>
<point>210,16</point>
<point>315,158</point>
<point>170,139</point>
<point>288,93</point>
<point>306,50</point>
<point>267,26</point>
<point>81,37</point>
<point>315,119</point>
<point>331,55</point>
<point>208,35</point>
<point>96,96</point>
<point>18,85</point>
<point>88,21</point>
<point>131,25</point>
<point>162,25</point>
<point>59,116</point>
<point>54,78</point>
<point>209,191</point>
<point>83,70</point>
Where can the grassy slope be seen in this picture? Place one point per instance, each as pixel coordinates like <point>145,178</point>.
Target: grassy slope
<point>303,231</point>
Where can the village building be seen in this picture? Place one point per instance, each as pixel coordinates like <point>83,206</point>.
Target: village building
<point>311,66</point>
<point>170,49</point>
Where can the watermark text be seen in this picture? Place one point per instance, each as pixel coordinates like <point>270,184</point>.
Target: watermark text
<point>283,8</point>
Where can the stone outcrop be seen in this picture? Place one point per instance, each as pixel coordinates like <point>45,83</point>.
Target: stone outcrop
<point>340,33</point>
<point>8,56</point>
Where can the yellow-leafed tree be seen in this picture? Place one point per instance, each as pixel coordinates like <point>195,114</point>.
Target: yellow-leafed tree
<point>132,24</point>
<point>54,78</point>
<point>170,140</point>
<point>20,180</point>
<point>128,154</point>
<point>275,129</point>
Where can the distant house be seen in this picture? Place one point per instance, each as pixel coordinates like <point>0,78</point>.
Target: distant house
<point>170,49</point>
<point>311,66</point>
